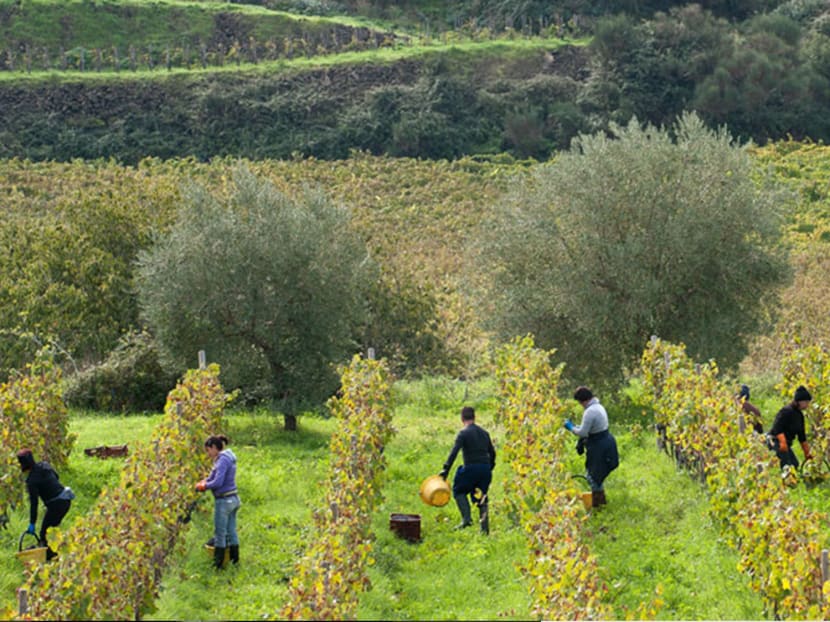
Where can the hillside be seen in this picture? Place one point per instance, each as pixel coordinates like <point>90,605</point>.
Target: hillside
<point>130,79</point>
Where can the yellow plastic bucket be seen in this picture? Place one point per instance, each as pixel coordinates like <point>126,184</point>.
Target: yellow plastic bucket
<point>210,550</point>
<point>435,491</point>
<point>36,554</point>
<point>588,499</point>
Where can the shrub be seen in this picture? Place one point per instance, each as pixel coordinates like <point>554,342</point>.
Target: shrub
<point>131,379</point>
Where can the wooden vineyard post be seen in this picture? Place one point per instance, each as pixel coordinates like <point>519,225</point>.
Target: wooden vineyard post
<point>824,568</point>
<point>22,601</point>
<point>202,360</point>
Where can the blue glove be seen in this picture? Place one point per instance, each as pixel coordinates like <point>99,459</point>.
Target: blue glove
<point>31,529</point>
<point>569,425</point>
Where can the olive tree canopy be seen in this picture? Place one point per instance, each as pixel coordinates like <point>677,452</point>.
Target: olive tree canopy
<point>643,231</point>
<point>271,287</point>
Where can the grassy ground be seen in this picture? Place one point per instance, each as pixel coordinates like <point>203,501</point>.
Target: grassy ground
<point>654,532</point>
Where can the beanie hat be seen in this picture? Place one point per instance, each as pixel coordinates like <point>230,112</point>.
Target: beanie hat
<point>583,394</point>
<point>802,395</point>
<point>744,392</point>
<point>26,459</point>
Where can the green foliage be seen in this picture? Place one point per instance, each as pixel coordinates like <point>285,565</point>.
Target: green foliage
<point>779,539</point>
<point>118,36</point>
<point>130,379</point>
<point>274,288</point>
<point>619,239</point>
<point>34,416</point>
<point>331,574</point>
<point>760,88</point>
<point>111,562</point>
<point>66,253</point>
<point>434,103</point>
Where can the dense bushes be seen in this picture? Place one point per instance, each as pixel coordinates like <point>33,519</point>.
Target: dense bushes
<point>406,108</point>
<point>131,379</point>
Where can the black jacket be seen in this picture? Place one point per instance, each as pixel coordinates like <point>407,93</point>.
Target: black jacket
<point>42,482</point>
<point>476,447</point>
<point>790,422</point>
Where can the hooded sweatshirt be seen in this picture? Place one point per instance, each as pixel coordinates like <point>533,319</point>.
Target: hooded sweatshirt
<point>222,479</point>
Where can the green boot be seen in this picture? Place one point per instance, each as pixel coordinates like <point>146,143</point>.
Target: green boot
<point>484,517</point>
<point>463,507</point>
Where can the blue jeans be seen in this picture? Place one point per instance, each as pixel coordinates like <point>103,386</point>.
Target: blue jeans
<point>224,521</point>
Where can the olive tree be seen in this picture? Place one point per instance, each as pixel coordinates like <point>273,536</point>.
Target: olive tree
<point>637,232</point>
<point>271,287</point>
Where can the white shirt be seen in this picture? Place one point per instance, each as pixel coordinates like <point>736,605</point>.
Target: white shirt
<point>594,419</point>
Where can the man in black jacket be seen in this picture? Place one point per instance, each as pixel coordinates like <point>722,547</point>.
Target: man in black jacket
<point>42,481</point>
<point>789,425</point>
<point>477,471</point>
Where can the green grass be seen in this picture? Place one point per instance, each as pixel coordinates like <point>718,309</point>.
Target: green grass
<point>655,530</point>
<point>462,53</point>
<point>105,23</point>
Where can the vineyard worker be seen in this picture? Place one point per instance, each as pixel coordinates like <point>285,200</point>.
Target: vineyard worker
<point>479,456</point>
<point>222,483</point>
<point>42,481</point>
<point>601,456</point>
<point>750,409</point>
<point>789,425</point>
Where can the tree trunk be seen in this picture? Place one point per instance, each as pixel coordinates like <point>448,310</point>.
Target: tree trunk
<point>290,423</point>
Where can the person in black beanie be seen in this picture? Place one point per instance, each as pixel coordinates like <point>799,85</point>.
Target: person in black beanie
<point>789,425</point>
<point>42,481</point>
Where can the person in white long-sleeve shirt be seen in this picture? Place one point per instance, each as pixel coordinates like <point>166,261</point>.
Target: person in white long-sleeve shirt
<point>601,455</point>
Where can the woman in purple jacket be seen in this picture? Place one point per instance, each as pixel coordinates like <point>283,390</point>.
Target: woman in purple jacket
<point>222,483</point>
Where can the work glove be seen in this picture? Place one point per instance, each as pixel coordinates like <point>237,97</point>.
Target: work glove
<point>569,425</point>
<point>31,529</point>
<point>201,486</point>
<point>444,472</point>
<point>783,446</point>
<point>807,454</point>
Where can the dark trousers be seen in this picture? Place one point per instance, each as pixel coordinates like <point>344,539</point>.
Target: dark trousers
<point>55,511</point>
<point>471,476</point>
<point>787,457</point>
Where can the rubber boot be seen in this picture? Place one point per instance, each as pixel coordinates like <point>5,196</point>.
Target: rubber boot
<point>484,517</point>
<point>463,507</point>
<point>50,554</point>
<point>234,553</point>
<point>219,557</point>
<point>598,498</point>
<point>212,541</point>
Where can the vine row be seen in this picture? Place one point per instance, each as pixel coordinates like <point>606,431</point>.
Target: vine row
<point>111,561</point>
<point>563,574</point>
<point>32,415</point>
<point>779,541</point>
<point>331,574</point>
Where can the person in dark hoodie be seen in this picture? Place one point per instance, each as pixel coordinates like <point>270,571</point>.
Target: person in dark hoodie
<point>222,483</point>
<point>476,473</point>
<point>42,481</point>
<point>789,425</point>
